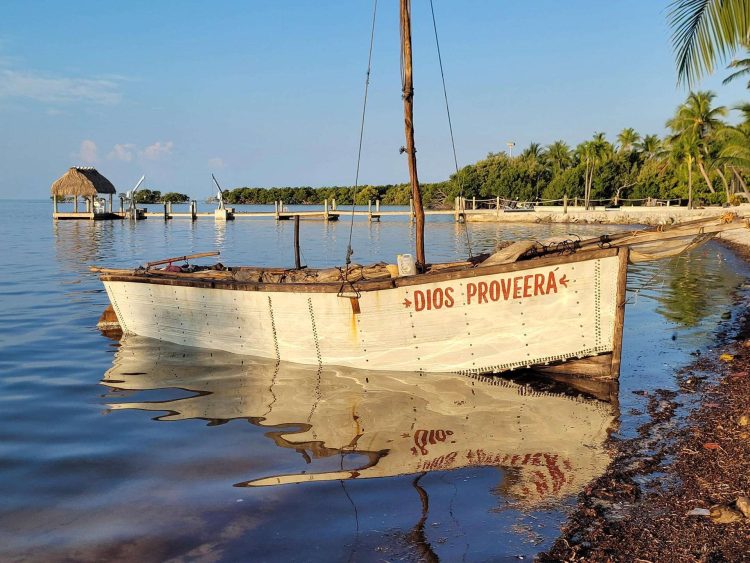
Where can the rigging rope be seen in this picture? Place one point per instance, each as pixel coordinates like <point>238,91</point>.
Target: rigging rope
<point>450,124</point>
<point>349,250</point>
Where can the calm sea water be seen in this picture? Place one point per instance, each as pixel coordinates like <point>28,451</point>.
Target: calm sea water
<point>145,451</point>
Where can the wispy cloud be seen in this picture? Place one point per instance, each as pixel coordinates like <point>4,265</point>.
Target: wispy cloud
<point>87,154</point>
<point>58,90</point>
<point>124,152</point>
<point>128,152</point>
<point>216,162</point>
<point>157,150</point>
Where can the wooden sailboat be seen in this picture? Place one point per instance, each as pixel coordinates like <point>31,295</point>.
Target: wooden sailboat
<point>557,307</point>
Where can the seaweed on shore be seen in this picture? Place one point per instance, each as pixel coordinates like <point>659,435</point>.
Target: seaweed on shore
<point>639,509</point>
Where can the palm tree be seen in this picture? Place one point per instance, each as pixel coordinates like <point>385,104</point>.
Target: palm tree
<point>628,139</point>
<point>604,149</point>
<point>744,68</point>
<point>650,146</point>
<point>744,109</point>
<point>685,148</point>
<point>585,155</point>
<point>592,153</point>
<point>559,156</point>
<point>533,152</point>
<point>734,155</point>
<point>696,117</point>
<point>706,32</point>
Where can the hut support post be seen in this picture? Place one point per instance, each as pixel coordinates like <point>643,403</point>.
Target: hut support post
<point>75,204</point>
<point>565,204</point>
<point>54,204</point>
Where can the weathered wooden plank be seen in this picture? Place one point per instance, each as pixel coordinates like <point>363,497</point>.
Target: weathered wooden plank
<point>622,282</point>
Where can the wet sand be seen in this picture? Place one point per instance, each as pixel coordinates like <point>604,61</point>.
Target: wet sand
<point>639,510</point>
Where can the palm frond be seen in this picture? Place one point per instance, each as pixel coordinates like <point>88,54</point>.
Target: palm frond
<point>706,32</point>
<point>742,64</point>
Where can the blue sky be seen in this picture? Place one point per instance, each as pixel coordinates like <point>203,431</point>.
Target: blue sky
<point>269,93</point>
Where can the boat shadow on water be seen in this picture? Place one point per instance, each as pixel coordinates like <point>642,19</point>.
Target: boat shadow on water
<point>353,424</point>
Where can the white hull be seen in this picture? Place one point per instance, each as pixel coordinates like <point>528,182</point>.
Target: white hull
<point>480,320</point>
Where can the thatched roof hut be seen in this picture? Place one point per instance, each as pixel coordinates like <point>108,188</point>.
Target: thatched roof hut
<point>82,181</point>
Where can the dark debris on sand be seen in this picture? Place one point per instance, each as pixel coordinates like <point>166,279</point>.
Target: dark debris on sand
<point>638,510</point>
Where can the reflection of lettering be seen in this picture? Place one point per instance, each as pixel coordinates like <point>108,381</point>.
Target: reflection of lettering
<point>424,437</point>
<point>545,483</point>
<point>442,462</point>
<point>543,474</point>
<point>479,293</point>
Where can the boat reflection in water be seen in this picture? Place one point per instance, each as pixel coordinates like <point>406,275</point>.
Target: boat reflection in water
<point>351,424</point>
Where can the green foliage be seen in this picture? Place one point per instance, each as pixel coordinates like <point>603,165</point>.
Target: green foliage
<point>702,155</point>
<point>147,196</point>
<point>174,197</point>
<point>705,32</point>
<point>568,183</point>
<point>366,194</point>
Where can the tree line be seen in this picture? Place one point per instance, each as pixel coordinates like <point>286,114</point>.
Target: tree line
<point>155,196</point>
<point>702,159</point>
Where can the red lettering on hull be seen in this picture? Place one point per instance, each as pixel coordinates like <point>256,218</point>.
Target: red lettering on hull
<point>480,293</point>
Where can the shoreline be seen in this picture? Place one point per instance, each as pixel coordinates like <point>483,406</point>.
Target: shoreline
<point>651,216</point>
<point>638,510</point>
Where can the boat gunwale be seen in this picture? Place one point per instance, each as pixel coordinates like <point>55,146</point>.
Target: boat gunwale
<point>359,286</point>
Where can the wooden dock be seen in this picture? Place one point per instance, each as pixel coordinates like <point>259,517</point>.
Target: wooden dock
<point>281,213</point>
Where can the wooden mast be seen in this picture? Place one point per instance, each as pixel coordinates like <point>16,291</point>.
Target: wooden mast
<point>411,152</point>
